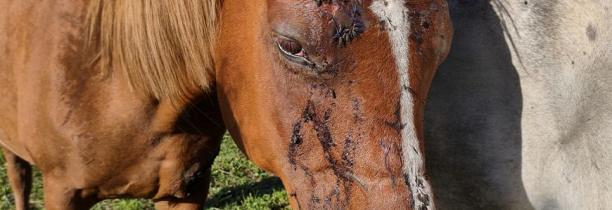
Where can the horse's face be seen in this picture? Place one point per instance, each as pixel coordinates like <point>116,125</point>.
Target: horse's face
<point>329,95</point>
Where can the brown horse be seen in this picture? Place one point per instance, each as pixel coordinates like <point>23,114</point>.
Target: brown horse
<point>119,98</point>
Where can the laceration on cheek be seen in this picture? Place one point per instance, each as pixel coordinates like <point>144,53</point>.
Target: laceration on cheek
<point>297,137</point>
<point>390,149</point>
<point>338,155</point>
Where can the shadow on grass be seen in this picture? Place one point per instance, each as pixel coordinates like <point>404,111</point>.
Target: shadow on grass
<point>237,194</point>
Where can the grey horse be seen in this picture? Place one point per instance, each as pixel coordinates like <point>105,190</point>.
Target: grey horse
<point>520,115</point>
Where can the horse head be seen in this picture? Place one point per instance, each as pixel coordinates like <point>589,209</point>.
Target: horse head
<point>329,95</point>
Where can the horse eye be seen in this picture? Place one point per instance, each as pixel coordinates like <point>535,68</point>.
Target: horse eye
<point>290,47</point>
<point>293,51</point>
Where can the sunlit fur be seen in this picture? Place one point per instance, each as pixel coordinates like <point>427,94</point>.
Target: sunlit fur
<point>162,46</point>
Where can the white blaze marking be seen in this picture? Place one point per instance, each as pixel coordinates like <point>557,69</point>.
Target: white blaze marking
<point>395,14</point>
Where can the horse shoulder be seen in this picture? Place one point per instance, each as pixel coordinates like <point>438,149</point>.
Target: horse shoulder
<point>524,100</point>
<point>567,95</point>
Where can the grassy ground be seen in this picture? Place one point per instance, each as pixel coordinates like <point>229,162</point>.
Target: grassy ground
<point>237,184</point>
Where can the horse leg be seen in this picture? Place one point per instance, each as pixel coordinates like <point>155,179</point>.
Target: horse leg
<point>60,196</point>
<point>20,179</point>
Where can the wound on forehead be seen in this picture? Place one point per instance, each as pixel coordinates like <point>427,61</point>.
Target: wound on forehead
<point>345,17</point>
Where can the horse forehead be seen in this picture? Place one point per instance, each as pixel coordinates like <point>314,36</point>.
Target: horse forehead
<point>393,15</point>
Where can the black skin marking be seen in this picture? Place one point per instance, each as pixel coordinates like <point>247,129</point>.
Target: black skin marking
<point>387,149</point>
<point>294,195</point>
<point>315,200</point>
<point>397,124</point>
<point>327,143</point>
<point>296,141</point>
<point>341,166</point>
<point>324,90</point>
<point>333,194</point>
<point>423,23</point>
<point>344,33</point>
<point>296,138</point>
<point>423,197</point>
<point>357,115</point>
<point>407,182</point>
<point>323,132</point>
<point>348,151</point>
<point>412,92</point>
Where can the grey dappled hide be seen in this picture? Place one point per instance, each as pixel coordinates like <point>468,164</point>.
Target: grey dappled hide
<point>520,114</point>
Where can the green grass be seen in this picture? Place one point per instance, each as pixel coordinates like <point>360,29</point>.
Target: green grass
<point>236,184</point>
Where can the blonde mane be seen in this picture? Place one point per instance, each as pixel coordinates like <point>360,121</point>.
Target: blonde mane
<point>163,47</point>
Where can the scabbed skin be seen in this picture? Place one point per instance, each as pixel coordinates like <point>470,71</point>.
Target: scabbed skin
<point>333,130</point>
